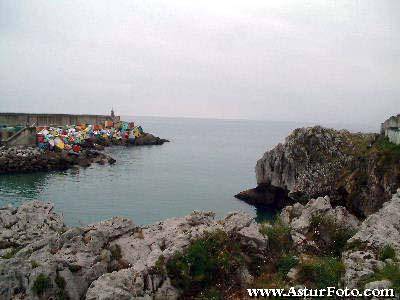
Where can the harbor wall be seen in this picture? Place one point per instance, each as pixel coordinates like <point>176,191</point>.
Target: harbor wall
<point>25,119</point>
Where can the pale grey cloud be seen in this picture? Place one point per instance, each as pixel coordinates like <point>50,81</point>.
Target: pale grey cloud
<point>280,60</point>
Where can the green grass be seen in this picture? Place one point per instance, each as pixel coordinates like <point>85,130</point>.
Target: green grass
<point>116,252</point>
<point>11,253</point>
<point>34,264</point>
<point>389,272</point>
<point>338,234</point>
<point>41,284</point>
<point>285,263</point>
<point>389,153</point>
<point>279,237</point>
<point>322,272</point>
<point>208,261</point>
<point>387,252</point>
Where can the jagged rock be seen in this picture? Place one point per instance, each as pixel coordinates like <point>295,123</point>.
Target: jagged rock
<point>19,159</point>
<point>111,259</point>
<point>352,168</point>
<point>149,139</point>
<point>299,217</point>
<point>377,231</point>
<point>379,285</point>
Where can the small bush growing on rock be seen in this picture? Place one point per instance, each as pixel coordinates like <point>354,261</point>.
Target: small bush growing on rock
<point>278,233</point>
<point>11,253</point>
<point>389,272</point>
<point>34,264</point>
<point>159,267</point>
<point>74,268</point>
<point>61,293</point>
<point>387,252</point>
<point>331,236</point>
<point>285,263</point>
<point>41,284</point>
<point>322,272</point>
<point>208,261</point>
<point>115,252</point>
<point>356,245</point>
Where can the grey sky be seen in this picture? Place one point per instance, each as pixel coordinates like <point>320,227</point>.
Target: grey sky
<point>334,61</point>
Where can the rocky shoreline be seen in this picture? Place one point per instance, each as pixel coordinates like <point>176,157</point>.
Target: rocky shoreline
<point>41,258</point>
<point>24,159</point>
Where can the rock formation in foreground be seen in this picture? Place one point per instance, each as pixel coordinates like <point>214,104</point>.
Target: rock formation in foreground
<point>113,259</point>
<point>196,257</point>
<point>357,171</point>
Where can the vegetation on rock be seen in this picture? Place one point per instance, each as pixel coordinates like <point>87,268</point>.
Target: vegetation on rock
<point>41,284</point>
<point>208,262</point>
<point>387,252</point>
<point>331,237</point>
<point>321,272</point>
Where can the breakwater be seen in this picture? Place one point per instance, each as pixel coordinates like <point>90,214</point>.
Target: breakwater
<point>28,119</point>
<point>30,159</point>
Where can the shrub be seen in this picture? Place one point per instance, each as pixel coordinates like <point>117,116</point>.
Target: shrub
<point>338,235</point>
<point>390,272</point>
<point>61,293</point>
<point>387,252</point>
<point>159,267</point>
<point>115,252</point>
<point>285,263</point>
<point>207,261</point>
<point>34,264</point>
<point>41,284</point>
<point>74,268</point>
<point>278,233</point>
<point>60,282</point>
<point>322,272</point>
<point>11,253</point>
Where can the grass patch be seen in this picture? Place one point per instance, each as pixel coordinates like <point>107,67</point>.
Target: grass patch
<point>208,261</point>
<point>356,245</point>
<point>278,233</point>
<point>338,235</point>
<point>116,253</point>
<point>389,152</point>
<point>285,263</point>
<point>387,252</point>
<point>159,267</point>
<point>389,272</point>
<point>11,253</point>
<point>41,284</point>
<point>322,272</point>
<point>34,264</point>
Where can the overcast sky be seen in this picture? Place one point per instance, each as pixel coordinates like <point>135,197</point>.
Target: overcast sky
<point>318,61</point>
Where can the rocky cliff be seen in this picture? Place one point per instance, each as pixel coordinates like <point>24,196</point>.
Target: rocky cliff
<point>358,171</point>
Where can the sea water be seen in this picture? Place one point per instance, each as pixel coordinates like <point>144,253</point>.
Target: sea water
<point>206,163</point>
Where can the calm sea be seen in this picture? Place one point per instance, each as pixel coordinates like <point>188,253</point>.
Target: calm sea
<point>205,164</point>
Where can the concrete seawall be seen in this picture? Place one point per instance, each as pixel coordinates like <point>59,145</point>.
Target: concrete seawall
<point>25,119</point>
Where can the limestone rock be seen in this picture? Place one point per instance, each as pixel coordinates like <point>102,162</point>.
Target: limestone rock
<point>377,231</point>
<point>111,259</point>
